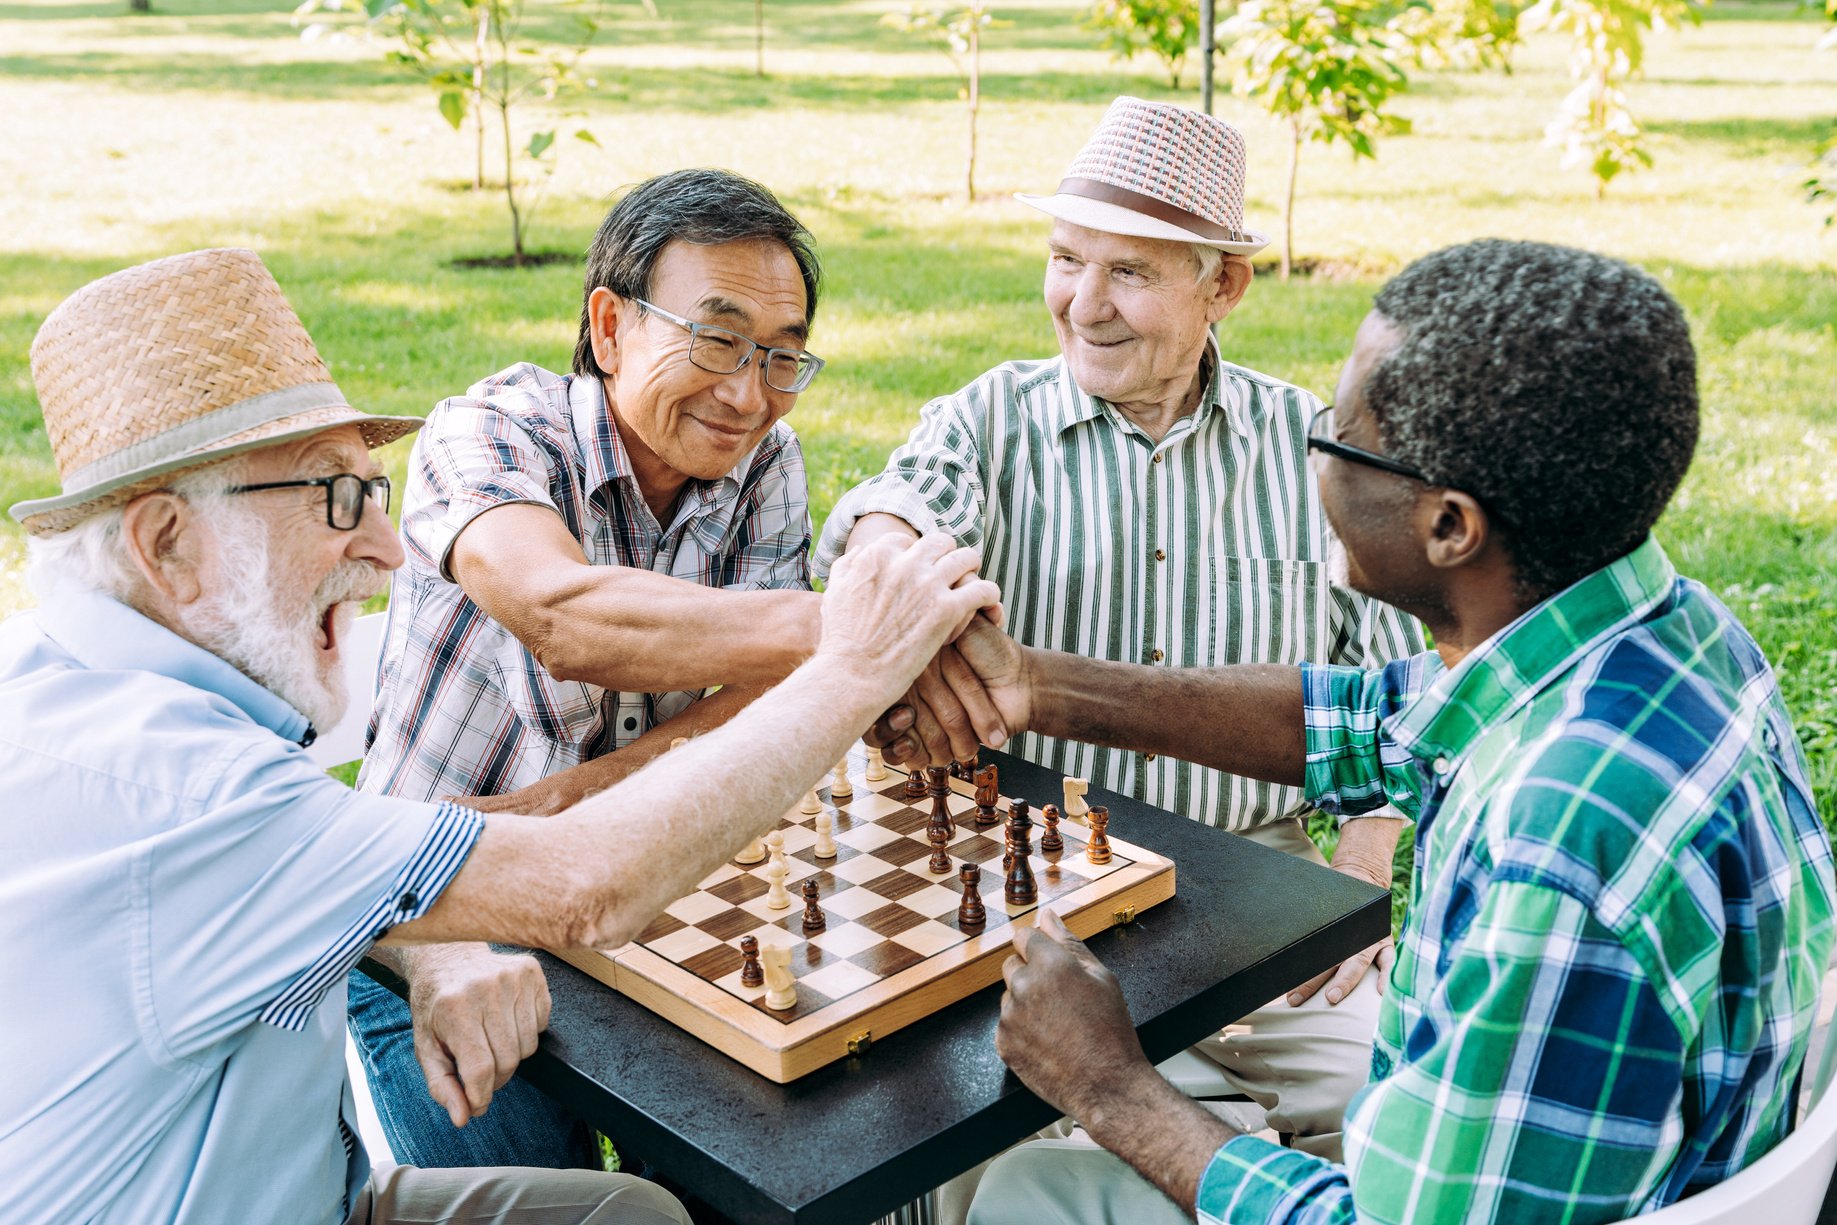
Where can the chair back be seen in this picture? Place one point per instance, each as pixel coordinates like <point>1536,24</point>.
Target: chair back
<point>358,653</point>
<point>1789,1183</point>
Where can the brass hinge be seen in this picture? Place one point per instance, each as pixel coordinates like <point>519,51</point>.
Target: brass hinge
<point>1125,915</point>
<point>858,1044</point>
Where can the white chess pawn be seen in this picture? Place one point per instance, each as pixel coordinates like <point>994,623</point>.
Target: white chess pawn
<point>825,845</point>
<point>752,852</point>
<point>876,765</point>
<point>811,802</point>
<point>839,786</point>
<point>777,897</point>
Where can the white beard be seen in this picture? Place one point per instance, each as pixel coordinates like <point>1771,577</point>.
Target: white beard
<point>243,621</point>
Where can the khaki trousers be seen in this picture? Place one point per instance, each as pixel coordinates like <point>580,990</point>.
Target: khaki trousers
<point>1301,1065</point>
<point>511,1195</point>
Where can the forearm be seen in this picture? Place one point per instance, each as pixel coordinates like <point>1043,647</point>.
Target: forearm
<point>406,961</point>
<point>635,631</point>
<point>1367,846</point>
<point>1245,719</point>
<point>871,527</point>
<point>569,787</point>
<point>1165,1135</point>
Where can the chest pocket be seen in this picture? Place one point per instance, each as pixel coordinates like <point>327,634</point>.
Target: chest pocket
<point>1270,611</point>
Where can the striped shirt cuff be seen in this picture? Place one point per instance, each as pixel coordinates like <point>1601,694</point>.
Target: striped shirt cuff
<point>415,889</point>
<point>881,495</point>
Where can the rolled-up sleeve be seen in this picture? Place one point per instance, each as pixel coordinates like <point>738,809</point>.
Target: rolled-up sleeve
<point>470,457</point>
<point>933,482</point>
<point>1353,768</point>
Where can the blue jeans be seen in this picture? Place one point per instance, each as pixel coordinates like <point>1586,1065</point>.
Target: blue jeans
<point>521,1127</point>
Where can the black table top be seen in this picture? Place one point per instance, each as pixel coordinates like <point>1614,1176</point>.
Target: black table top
<point>855,1140</point>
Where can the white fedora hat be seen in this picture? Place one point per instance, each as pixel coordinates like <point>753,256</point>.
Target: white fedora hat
<point>172,365</point>
<point>1152,170</point>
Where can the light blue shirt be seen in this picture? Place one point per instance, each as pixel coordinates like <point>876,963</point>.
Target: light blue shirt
<point>181,894</point>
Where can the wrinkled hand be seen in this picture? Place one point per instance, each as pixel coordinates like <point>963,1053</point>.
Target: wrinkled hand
<point>890,607</point>
<point>1364,845</point>
<point>1064,1029</point>
<point>477,1015</point>
<point>985,670</point>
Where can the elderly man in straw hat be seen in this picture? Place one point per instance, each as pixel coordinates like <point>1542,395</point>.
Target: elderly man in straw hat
<point>1138,498</point>
<point>184,892</point>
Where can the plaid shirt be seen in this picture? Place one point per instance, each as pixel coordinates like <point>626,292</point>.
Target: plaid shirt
<point>1207,546</point>
<point>1622,910</point>
<point>462,707</point>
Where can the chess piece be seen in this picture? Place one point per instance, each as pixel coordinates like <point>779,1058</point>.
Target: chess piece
<point>965,769</point>
<point>1075,807</point>
<point>750,973</point>
<point>876,765</point>
<point>780,987</point>
<point>988,795</point>
<point>1097,850</point>
<point>811,803</point>
<point>839,786</point>
<point>813,914</point>
<point>775,872</point>
<point>775,843</point>
<point>915,784</point>
<point>825,844</point>
<point>970,911</point>
<point>752,852</point>
<point>1019,887</point>
<point>1050,841</point>
<point>939,838</point>
<point>938,783</point>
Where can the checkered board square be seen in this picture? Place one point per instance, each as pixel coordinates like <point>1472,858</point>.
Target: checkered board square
<point>892,950</point>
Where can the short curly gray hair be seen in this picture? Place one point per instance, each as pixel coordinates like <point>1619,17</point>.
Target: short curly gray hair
<point>1557,386</point>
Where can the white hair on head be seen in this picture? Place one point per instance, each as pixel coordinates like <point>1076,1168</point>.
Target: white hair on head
<point>1210,259</point>
<point>91,556</point>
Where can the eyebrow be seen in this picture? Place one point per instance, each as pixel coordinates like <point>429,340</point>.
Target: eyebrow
<point>325,461</point>
<point>714,306</point>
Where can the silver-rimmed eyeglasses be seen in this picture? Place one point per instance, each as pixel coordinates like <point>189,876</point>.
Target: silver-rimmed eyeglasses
<point>720,351</point>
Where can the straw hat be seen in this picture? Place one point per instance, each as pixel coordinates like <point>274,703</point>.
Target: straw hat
<point>172,365</point>
<point>1152,170</point>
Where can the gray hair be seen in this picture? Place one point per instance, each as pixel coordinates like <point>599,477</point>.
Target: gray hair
<point>1556,386</point>
<point>1210,259</point>
<point>701,207</point>
<point>91,555</point>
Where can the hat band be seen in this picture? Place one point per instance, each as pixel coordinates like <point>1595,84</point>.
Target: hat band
<point>1160,210</point>
<point>201,432</point>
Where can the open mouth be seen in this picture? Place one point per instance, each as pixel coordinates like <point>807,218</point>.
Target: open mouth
<point>331,626</point>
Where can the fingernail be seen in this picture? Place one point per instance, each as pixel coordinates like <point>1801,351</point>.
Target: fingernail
<point>998,739</point>
<point>1294,1001</point>
<point>1333,997</point>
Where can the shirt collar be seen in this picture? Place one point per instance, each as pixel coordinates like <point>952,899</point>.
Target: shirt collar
<point>604,458</point>
<point>1077,406</point>
<point>1512,667</point>
<point>107,635</point>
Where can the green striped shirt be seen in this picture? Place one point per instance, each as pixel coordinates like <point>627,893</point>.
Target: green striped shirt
<point>1208,547</point>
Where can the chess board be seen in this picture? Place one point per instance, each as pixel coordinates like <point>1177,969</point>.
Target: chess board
<point>892,952</point>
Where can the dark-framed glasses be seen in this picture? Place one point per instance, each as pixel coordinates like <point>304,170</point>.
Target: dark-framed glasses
<point>720,351</point>
<point>346,495</point>
<point>1320,438</point>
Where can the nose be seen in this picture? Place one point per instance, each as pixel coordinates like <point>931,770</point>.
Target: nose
<point>744,390</point>
<point>1090,302</point>
<point>374,539</point>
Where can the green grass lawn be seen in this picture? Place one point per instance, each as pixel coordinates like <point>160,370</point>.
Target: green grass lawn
<point>213,123</point>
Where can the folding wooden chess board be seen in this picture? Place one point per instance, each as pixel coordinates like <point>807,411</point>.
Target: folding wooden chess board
<point>892,953</point>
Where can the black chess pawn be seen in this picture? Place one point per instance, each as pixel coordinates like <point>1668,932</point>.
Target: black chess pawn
<point>814,919</point>
<point>970,911</point>
<point>939,838</point>
<point>915,784</point>
<point>1020,888</point>
<point>1097,850</point>
<point>1050,841</point>
<point>751,975</point>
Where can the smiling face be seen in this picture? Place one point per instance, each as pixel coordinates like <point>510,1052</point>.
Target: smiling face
<point>677,420</point>
<point>1131,314</point>
<point>279,587</point>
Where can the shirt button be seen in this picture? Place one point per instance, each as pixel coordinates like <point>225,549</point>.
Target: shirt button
<point>631,723</point>
<point>1160,554</point>
<point>1440,765</point>
<point>1157,458</point>
<point>1148,757</point>
<point>409,901</point>
<point>1158,657</point>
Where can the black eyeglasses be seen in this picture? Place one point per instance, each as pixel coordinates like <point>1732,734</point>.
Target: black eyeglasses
<point>719,351</point>
<point>1320,438</point>
<point>346,495</point>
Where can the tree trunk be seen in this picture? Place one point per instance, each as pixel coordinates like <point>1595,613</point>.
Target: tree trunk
<point>510,189</point>
<point>1288,207</point>
<point>758,38</point>
<point>969,165</point>
<point>478,96</point>
<point>140,6</point>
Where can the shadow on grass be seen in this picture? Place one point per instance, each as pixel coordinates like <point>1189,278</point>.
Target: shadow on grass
<point>1752,137</point>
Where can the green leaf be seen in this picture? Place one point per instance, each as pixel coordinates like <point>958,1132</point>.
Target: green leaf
<point>453,107</point>
<point>584,134</point>
<point>540,142</point>
<point>380,8</point>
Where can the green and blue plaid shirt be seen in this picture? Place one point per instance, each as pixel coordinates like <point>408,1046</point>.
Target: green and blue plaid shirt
<point>1621,911</point>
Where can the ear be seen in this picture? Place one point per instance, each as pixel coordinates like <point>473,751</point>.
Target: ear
<point>1458,529</point>
<point>1230,286</point>
<point>604,310</point>
<point>166,543</point>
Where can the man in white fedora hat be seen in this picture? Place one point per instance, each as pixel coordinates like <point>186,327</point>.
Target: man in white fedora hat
<point>1140,499</point>
<point>183,891</point>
